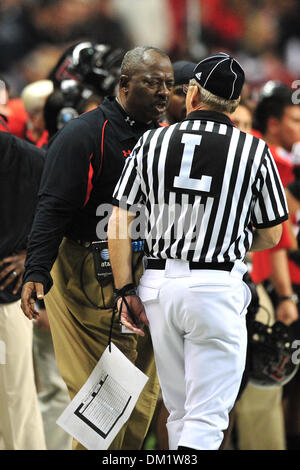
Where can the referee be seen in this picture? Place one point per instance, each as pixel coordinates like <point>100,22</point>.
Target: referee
<point>210,193</point>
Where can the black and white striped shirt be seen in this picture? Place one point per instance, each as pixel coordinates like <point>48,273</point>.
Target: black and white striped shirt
<point>203,185</point>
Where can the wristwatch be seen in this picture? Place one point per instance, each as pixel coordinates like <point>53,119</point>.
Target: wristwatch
<point>293,298</point>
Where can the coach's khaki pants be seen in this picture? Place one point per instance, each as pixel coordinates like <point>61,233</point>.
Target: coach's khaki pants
<point>259,412</point>
<point>80,334</point>
<point>20,418</point>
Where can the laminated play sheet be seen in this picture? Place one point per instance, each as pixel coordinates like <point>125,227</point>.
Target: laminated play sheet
<point>105,402</point>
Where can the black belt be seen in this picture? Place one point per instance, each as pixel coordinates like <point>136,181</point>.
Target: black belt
<point>137,245</point>
<point>161,264</point>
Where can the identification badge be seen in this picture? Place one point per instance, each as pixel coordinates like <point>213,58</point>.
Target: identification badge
<point>102,264</point>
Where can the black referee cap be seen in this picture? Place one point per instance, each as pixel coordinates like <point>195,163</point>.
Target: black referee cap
<point>220,74</point>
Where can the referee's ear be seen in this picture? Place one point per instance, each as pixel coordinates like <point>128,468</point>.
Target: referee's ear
<point>192,98</point>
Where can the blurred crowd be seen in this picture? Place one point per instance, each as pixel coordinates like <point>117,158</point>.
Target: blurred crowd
<point>263,34</point>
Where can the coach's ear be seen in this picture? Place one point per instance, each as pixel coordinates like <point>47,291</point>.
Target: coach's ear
<point>123,83</point>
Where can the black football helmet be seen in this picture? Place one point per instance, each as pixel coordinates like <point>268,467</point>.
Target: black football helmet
<point>95,66</point>
<point>270,354</point>
<point>269,361</point>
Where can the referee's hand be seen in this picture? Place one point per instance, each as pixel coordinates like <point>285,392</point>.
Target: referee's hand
<point>136,317</point>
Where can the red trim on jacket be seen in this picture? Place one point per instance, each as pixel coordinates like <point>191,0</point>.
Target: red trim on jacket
<point>90,179</point>
<point>102,145</point>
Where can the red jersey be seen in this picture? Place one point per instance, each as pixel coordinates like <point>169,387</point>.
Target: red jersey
<point>261,263</point>
<point>261,266</point>
<point>43,140</point>
<point>17,117</point>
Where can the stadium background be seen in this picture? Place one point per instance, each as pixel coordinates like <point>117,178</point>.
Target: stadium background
<point>263,34</point>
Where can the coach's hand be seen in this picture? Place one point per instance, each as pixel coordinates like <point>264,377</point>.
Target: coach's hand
<point>134,318</point>
<point>31,291</point>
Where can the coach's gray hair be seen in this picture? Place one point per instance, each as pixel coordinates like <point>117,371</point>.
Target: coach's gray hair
<point>133,58</point>
<point>216,103</point>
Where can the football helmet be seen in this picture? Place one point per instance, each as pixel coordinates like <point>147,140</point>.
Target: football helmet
<point>269,361</point>
<point>270,351</point>
<point>94,65</point>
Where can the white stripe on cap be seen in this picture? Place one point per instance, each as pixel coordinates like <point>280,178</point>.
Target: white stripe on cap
<point>227,58</point>
<point>213,57</point>
<point>233,80</point>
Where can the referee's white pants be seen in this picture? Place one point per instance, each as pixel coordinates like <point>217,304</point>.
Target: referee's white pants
<point>198,329</point>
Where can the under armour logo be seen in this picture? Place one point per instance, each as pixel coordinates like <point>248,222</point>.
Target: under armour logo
<point>130,122</point>
<point>198,75</point>
<point>126,153</point>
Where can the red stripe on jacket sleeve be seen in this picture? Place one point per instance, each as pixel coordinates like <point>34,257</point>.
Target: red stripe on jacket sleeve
<point>102,147</point>
<point>90,183</point>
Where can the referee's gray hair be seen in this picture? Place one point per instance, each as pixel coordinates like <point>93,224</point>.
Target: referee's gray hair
<point>133,58</point>
<point>216,103</point>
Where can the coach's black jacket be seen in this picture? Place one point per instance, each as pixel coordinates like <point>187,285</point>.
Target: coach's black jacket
<point>83,166</point>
